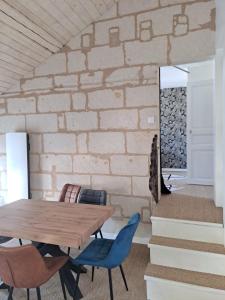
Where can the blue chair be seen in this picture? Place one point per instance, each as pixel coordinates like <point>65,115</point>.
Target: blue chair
<point>109,254</point>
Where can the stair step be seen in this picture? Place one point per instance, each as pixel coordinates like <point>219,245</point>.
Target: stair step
<point>190,277</point>
<point>188,255</point>
<point>166,283</point>
<point>183,207</point>
<point>187,244</point>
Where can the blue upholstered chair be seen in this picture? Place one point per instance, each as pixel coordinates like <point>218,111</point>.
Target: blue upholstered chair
<point>109,254</point>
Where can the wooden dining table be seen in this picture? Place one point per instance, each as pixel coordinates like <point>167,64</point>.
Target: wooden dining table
<point>51,222</point>
<point>58,223</point>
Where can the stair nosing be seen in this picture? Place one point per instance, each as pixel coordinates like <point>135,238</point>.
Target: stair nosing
<point>187,245</point>
<point>200,279</point>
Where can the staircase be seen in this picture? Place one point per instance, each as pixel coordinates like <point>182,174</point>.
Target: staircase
<point>187,254</point>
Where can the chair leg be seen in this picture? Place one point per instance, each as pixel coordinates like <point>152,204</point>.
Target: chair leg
<point>10,293</point>
<point>124,278</point>
<point>96,236</point>
<point>92,273</point>
<point>77,282</point>
<point>110,284</point>
<point>28,294</point>
<point>68,251</point>
<point>38,293</point>
<point>63,285</point>
<point>101,234</point>
<point>21,243</point>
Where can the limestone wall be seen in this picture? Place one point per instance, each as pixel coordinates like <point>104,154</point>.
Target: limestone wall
<point>87,108</point>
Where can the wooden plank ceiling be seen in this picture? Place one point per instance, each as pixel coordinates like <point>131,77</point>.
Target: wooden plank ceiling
<point>32,30</point>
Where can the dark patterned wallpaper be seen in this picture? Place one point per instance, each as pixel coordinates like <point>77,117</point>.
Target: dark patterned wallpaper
<point>173,128</point>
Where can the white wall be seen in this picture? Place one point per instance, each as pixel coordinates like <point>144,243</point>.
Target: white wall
<point>220,103</point>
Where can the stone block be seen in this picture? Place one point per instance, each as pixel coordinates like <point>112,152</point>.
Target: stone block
<point>114,37</point>
<point>200,15</point>
<point>39,83</point>
<point>123,76</point>
<point>35,143</point>
<point>106,142</point>
<point>76,61</point>
<point>119,119</point>
<point>87,41</point>
<point>61,121</point>
<point>59,143</point>
<point>54,103</point>
<point>75,42</point>
<point>129,205</point>
<point>42,123</point>
<point>83,180</point>
<point>12,124</point>
<point>126,26</point>
<point>2,106</point>
<point>133,6</point>
<point>112,184</point>
<point>162,27</point>
<point>196,46</point>
<point>137,138</point>
<point>142,96</point>
<point>180,25</point>
<point>105,57</point>
<point>106,98</point>
<point>141,186</point>
<point>66,80</point>
<point>149,118</point>
<point>82,121</point>
<point>82,143</point>
<point>91,80</point>
<point>34,163</point>
<point>146,31</point>
<point>55,64</point>
<point>40,181</point>
<point>21,105</point>
<point>150,74</point>
<point>89,164</point>
<point>61,163</point>
<point>154,52</point>
<point>129,165</point>
<point>79,101</point>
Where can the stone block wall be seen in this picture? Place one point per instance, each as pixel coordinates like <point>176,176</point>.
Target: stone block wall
<point>92,110</point>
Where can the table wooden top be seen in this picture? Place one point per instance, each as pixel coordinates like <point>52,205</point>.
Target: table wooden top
<point>58,223</point>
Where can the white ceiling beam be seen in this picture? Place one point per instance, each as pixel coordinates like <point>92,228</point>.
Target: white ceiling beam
<point>27,32</point>
<point>8,73</point>
<point>100,5</point>
<point>19,37</point>
<point>40,17</point>
<point>17,55</point>
<point>15,45</point>
<point>15,61</point>
<point>20,18</point>
<point>71,15</point>
<point>91,8</point>
<point>60,17</point>
<point>81,11</point>
<point>10,67</point>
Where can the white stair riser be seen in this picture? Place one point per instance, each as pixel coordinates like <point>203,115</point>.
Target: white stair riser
<point>188,259</point>
<point>160,289</point>
<point>211,233</point>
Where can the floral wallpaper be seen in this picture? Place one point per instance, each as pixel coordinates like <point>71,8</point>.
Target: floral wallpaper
<point>173,128</point>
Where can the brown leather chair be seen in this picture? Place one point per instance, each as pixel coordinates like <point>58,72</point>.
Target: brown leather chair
<point>69,193</point>
<point>24,267</point>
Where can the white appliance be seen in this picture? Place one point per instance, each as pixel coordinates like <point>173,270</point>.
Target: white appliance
<point>17,156</point>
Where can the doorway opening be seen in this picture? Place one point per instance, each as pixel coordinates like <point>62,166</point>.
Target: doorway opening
<point>186,128</point>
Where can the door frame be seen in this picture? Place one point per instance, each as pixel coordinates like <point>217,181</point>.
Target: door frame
<point>189,134</point>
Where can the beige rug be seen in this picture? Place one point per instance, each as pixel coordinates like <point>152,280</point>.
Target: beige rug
<point>134,268</point>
